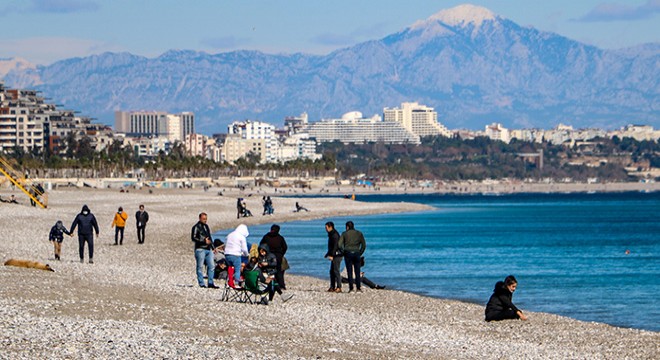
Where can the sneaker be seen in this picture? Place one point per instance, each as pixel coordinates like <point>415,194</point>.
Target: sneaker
<point>264,301</point>
<point>332,290</point>
<point>82,261</point>
<point>91,261</point>
<point>286,297</point>
<point>212,286</point>
<point>338,290</point>
<point>202,286</point>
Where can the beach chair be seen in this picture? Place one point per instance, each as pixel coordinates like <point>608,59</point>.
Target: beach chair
<point>254,291</point>
<point>230,292</point>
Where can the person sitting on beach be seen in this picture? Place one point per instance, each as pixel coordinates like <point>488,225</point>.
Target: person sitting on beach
<point>219,260</point>
<point>12,200</point>
<point>56,236</point>
<point>267,262</point>
<point>235,248</point>
<point>500,305</point>
<point>300,208</point>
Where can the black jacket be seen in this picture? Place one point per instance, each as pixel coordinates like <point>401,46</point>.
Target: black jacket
<point>85,222</point>
<point>333,244</point>
<point>57,232</point>
<point>499,302</point>
<point>198,235</point>
<point>267,263</point>
<point>141,218</point>
<point>275,242</point>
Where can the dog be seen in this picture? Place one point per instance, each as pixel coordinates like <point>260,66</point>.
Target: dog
<point>28,264</point>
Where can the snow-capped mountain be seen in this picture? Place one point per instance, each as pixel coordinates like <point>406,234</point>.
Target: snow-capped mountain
<point>473,66</point>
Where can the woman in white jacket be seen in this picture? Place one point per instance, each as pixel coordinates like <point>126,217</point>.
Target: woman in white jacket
<point>235,248</point>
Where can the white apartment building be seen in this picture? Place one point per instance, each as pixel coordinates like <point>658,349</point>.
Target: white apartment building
<point>155,123</point>
<point>637,132</point>
<point>419,119</point>
<point>496,131</point>
<point>297,146</point>
<point>245,136</point>
<point>353,128</point>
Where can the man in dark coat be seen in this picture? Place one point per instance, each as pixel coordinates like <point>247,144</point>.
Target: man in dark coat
<point>335,256</point>
<point>278,247</point>
<point>141,219</point>
<point>87,225</point>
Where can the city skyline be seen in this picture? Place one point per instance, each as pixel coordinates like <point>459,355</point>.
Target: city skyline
<point>43,31</point>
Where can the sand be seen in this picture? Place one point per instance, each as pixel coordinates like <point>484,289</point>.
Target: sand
<point>142,301</point>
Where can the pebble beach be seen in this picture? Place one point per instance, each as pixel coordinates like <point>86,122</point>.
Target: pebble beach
<point>142,300</point>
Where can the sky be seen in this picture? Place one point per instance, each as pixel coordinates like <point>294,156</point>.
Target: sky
<point>45,31</point>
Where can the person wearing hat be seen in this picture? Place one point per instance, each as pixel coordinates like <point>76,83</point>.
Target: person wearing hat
<point>119,222</point>
<point>87,225</point>
<point>219,259</point>
<point>56,236</point>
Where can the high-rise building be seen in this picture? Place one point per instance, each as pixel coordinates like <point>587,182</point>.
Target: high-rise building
<point>251,136</point>
<point>354,128</point>
<point>29,123</point>
<point>418,119</point>
<point>155,123</point>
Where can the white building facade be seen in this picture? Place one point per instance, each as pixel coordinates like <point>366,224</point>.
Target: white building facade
<point>419,119</point>
<point>353,128</point>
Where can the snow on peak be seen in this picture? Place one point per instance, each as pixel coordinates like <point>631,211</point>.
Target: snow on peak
<point>461,15</point>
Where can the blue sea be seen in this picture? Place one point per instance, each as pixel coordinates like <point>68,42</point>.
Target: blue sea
<point>568,251</point>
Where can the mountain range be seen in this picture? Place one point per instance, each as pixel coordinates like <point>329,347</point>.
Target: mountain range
<point>473,66</point>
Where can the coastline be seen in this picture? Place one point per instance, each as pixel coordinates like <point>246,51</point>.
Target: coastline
<point>138,300</point>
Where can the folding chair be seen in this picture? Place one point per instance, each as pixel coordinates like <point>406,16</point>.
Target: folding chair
<point>253,291</point>
<point>230,292</point>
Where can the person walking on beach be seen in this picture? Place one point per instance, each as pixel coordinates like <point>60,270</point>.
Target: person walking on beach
<point>352,244</point>
<point>87,225</point>
<point>235,248</point>
<point>277,246</point>
<point>119,222</point>
<point>201,237</point>
<point>141,219</point>
<point>56,236</point>
<point>335,256</point>
<point>500,305</point>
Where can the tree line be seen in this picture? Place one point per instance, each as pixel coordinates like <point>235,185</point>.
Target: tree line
<point>436,158</point>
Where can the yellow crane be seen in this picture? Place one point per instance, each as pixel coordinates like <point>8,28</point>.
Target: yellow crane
<point>35,192</point>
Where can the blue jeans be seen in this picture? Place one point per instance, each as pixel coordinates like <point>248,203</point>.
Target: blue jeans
<point>352,260</point>
<point>204,256</point>
<point>235,261</point>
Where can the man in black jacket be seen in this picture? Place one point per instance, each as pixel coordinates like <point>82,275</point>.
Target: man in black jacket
<point>335,256</point>
<point>201,237</point>
<point>141,219</point>
<point>86,223</point>
<point>278,247</point>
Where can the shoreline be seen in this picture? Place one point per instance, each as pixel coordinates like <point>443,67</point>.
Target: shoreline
<point>139,301</point>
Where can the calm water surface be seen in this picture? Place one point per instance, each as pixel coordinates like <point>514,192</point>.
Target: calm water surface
<point>568,251</point>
